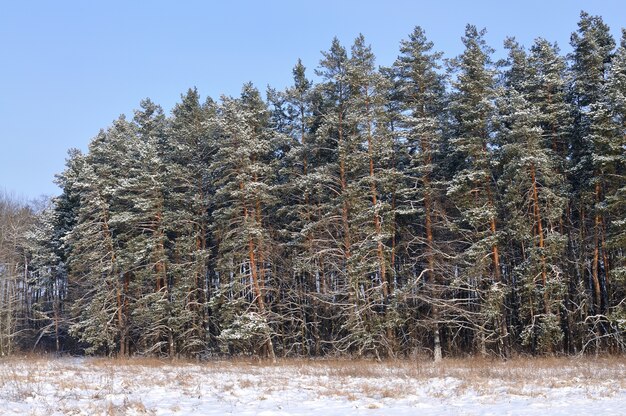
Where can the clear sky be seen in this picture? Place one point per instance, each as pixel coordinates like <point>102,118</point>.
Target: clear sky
<point>69,68</point>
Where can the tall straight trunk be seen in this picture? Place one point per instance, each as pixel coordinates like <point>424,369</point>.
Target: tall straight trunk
<point>122,301</point>
<point>260,249</point>
<point>394,220</point>
<point>161,271</point>
<point>394,231</point>
<point>380,250</point>
<point>324,283</point>
<point>159,266</point>
<point>430,255</point>
<point>203,283</point>
<point>437,353</point>
<point>258,294</point>
<point>198,297</point>
<point>57,302</point>
<point>425,144</point>
<point>596,252</point>
<point>121,288</point>
<point>318,277</point>
<point>256,284</point>
<point>374,196</point>
<point>344,187</point>
<point>605,262</point>
<point>495,254</point>
<point>494,248</point>
<point>541,243</point>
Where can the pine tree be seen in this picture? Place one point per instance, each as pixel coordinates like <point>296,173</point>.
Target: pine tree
<point>534,196</point>
<point>370,179</point>
<point>616,198</point>
<point>96,261</point>
<point>592,45</point>
<point>293,120</point>
<point>421,96</point>
<point>243,196</point>
<point>332,176</point>
<point>190,148</point>
<point>328,180</point>
<point>608,133</point>
<point>472,187</point>
<point>547,88</point>
<point>140,197</point>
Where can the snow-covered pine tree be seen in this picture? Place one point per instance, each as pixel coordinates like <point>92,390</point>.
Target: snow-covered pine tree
<point>547,91</point>
<point>97,270</point>
<point>616,195</point>
<point>331,176</point>
<point>243,196</point>
<point>328,180</point>
<point>547,88</point>
<point>421,97</point>
<point>592,47</point>
<point>140,197</point>
<point>189,150</point>
<point>370,177</point>
<point>534,197</point>
<point>295,119</point>
<point>472,189</point>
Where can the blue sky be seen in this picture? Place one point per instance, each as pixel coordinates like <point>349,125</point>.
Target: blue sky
<point>68,68</point>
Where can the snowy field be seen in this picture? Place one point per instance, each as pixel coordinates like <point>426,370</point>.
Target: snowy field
<point>72,386</point>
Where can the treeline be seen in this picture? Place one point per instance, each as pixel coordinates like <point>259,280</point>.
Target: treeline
<point>449,207</point>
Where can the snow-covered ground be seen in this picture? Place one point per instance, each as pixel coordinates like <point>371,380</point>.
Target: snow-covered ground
<point>71,386</point>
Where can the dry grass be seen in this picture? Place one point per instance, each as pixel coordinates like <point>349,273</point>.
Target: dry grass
<point>518,369</point>
<point>245,383</point>
<point>521,376</point>
<point>118,386</point>
<point>135,407</point>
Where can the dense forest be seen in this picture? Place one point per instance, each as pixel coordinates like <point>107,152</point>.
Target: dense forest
<point>435,206</point>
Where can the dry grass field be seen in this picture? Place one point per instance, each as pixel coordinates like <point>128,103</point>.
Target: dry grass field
<point>35,385</point>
